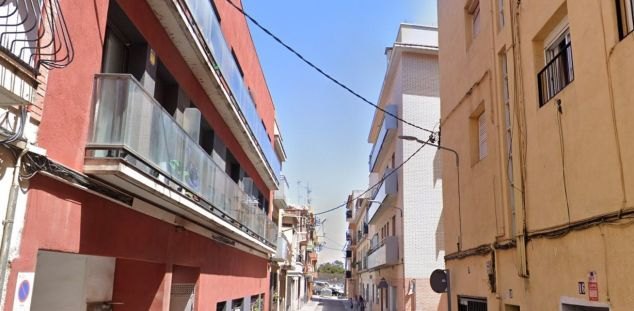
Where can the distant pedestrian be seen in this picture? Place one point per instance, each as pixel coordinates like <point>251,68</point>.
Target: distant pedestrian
<point>361,304</point>
<point>350,303</point>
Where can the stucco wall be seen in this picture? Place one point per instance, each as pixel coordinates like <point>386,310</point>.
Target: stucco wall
<point>594,138</point>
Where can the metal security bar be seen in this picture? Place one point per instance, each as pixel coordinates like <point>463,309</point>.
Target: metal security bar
<point>34,33</point>
<point>471,304</point>
<point>556,75</point>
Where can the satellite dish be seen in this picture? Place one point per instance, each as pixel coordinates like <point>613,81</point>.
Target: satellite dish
<point>438,281</point>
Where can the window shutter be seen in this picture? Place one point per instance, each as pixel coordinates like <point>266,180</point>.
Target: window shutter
<point>482,134</point>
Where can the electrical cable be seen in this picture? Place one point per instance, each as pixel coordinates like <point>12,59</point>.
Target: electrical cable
<point>22,119</point>
<point>321,71</point>
<point>559,112</point>
<point>376,184</point>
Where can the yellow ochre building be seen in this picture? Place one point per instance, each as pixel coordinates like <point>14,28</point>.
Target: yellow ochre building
<point>537,98</point>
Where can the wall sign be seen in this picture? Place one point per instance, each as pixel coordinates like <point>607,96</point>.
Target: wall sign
<point>582,288</point>
<point>593,287</point>
<point>23,291</point>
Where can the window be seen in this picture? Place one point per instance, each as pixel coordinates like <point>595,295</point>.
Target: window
<point>475,18</point>
<point>472,304</point>
<point>505,77</point>
<point>393,225</point>
<point>558,72</point>
<point>482,137</point>
<point>500,14</point>
<point>236,305</point>
<point>625,17</point>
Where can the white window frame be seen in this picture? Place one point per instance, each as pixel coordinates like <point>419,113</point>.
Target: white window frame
<point>552,49</point>
<point>482,137</point>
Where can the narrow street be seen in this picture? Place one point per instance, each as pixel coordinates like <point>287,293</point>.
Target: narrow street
<point>325,304</point>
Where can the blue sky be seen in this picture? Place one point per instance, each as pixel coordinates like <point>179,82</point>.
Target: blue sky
<point>325,129</point>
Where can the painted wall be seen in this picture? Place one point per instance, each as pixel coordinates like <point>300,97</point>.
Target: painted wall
<point>588,143</point>
<point>68,100</point>
<point>67,219</point>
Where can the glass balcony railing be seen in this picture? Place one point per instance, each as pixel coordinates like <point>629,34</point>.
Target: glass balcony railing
<point>384,253</point>
<point>283,249</point>
<point>129,124</point>
<point>387,189</point>
<point>388,124</point>
<point>209,27</point>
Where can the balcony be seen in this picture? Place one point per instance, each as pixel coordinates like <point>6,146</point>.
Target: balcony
<point>283,253</point>
<point>384,194</point>
<point>556,75</point>
<point>135,144</point>
<point>384,254</point>
<point>279,196</point>
<point>386,134</point>
<point>196,32</point>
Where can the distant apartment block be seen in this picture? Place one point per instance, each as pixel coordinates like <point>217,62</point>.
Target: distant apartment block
<point>395,229</point>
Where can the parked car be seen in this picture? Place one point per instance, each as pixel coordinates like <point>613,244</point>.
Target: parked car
<point>318,286</point>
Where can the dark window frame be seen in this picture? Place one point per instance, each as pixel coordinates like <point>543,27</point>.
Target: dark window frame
<point>473,303</point>
<point>558,72</point>
<point>623,19</point>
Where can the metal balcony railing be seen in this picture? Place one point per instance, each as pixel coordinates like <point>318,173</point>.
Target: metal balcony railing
<point>34,32</point>
<point>129,124</point>
<point>556,75</point>
<point>205,20</point>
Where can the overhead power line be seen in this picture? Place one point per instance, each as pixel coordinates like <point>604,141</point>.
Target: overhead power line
<point>321,71</point>
<point>375,185</point>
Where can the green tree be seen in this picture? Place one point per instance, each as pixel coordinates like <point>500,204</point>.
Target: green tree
<point>335,267</point>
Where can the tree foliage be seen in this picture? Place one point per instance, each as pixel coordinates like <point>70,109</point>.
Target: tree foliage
<point>335,267</point>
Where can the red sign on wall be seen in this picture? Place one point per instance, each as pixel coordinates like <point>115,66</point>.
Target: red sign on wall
<point>593,287</point>
<point>593,291</point>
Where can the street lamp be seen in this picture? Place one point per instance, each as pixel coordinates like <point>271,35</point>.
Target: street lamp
<point>416,139</point>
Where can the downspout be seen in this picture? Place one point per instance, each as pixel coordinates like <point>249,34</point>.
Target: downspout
<point>9,218</point>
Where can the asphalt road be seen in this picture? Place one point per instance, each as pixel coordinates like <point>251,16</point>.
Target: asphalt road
<point>330,304</point>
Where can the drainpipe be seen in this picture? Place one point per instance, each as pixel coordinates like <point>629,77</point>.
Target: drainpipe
<point>8,220</point>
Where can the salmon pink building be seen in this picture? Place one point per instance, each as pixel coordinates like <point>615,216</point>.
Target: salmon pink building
<point>150,160</point>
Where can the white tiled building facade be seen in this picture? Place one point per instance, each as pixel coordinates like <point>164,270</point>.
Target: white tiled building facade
<point>413,210</point>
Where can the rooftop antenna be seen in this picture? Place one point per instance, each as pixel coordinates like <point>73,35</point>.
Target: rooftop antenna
<point>299,196</point>
<point>308,192</point>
